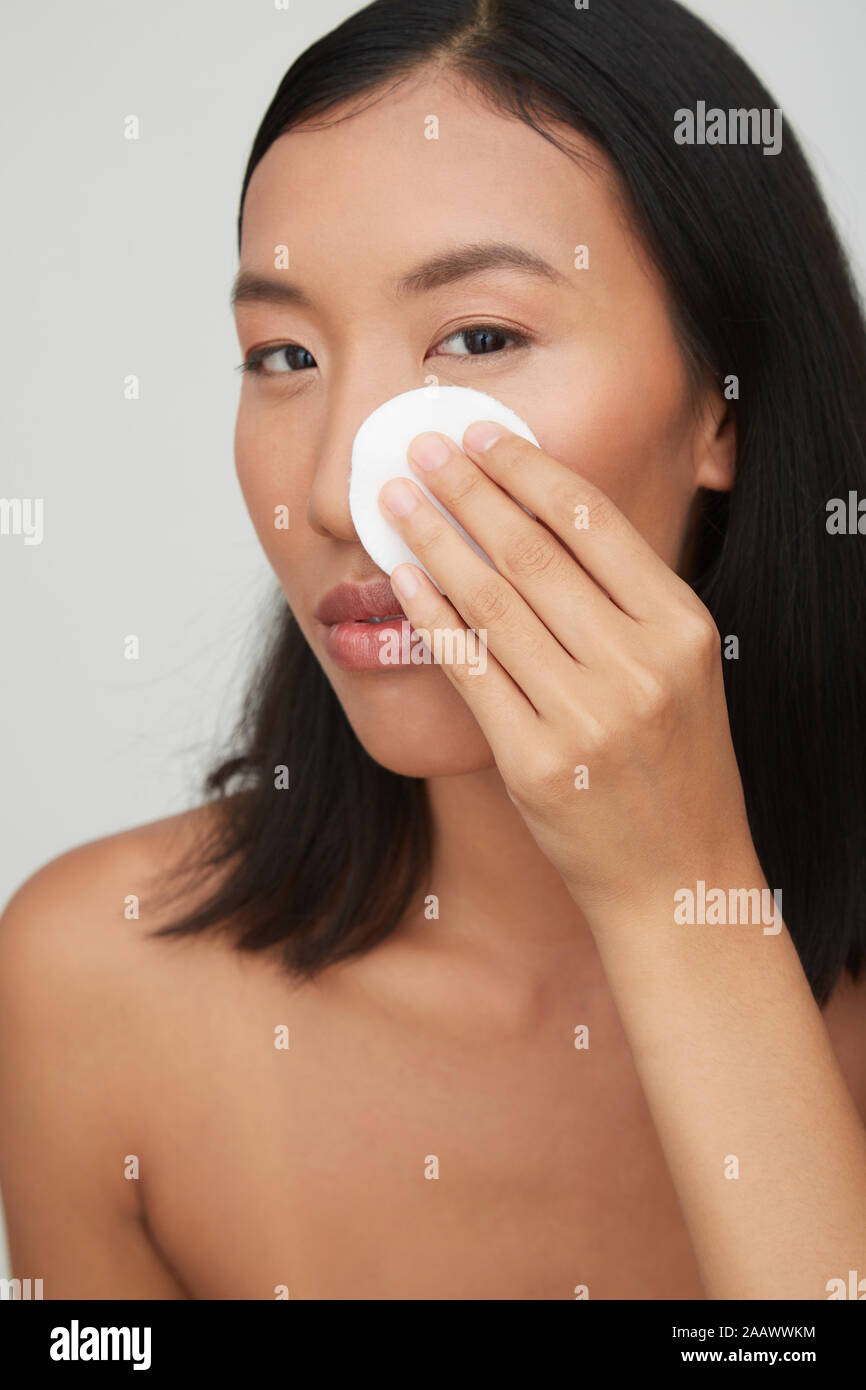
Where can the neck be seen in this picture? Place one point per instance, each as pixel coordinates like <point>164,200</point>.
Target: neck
<point>498,893</point>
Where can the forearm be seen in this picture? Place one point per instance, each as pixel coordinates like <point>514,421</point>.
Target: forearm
<point>765,1146</point>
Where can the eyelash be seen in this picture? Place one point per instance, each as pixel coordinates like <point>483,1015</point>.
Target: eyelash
<point>253,362</point>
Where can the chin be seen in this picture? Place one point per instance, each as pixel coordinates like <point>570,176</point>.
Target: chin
<point>423,732</point>
<point>414,761</point>
<point>410,759</point>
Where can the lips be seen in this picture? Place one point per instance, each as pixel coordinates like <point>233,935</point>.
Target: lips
<point>358,603</point>
<point>361,622</point>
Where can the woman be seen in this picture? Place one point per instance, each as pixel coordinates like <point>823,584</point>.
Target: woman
<point>457,990</point>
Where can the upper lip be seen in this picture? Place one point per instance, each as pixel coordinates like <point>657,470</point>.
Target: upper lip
<point>347,602</point>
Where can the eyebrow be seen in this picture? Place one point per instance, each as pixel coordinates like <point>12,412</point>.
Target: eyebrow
<point>250,287</point>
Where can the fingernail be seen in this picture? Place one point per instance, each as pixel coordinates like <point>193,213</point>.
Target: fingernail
<point>429,451</point>
<point>398,497</point>
<point>482,434</point>
<point>404,581</point>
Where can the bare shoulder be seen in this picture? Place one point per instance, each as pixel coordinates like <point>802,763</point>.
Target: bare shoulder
<point>82,985</point>
<point>100,865</point>
<point>78,957</point>
<point>81,976</point>
<point>92,901</point>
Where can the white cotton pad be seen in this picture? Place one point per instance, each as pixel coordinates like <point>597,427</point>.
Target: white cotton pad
<point>379,453</point>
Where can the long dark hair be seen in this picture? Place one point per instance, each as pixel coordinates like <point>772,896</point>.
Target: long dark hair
<point>760,290</point>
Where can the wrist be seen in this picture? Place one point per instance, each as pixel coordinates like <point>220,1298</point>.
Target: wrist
<point>724,888</point>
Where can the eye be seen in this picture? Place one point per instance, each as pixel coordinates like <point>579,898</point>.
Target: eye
<point>478,340</point>
<point>290,356</point>
<point>482,340</point>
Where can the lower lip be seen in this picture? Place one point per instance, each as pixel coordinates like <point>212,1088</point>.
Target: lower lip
<point>359,647</point>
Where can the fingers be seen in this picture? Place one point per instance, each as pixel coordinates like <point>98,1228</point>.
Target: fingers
<point>513,633</point>
<point>568,601</point>
<point>500,707</point>
<point>605,542</point>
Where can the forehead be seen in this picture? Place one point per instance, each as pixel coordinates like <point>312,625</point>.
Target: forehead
<point>425,162</point>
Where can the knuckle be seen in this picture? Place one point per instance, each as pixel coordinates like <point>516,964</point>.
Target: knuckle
<point>700,636</point>
<point>595,736</point>
<point>651,694</point>
<point>528,556</point>
<point>465,485</point>
<point>460,672</point>
<point>427,529</point>
<point>453,654</point>
<point>488,603</point>
<point>547,775</point>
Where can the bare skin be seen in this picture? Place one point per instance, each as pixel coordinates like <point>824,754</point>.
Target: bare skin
<point>305,1168</point>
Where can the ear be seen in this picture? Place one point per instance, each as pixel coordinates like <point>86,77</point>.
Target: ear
<point>715,440</point>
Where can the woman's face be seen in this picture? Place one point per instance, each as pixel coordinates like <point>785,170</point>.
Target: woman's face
<point>587,356</point>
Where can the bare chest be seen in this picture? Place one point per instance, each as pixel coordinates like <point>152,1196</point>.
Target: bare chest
<point>356,1165</point>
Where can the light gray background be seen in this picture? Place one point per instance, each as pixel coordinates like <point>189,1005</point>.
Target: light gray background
<point>117,258</point>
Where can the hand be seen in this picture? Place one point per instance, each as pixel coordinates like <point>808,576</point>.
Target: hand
<point>599,657</point>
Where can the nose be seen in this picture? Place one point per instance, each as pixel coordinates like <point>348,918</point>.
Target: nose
<point>328,499</point>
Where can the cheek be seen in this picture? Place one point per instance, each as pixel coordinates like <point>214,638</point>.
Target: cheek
<point>626,430</point>
<point>273,491</point>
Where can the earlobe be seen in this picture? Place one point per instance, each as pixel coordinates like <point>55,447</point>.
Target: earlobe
<point>716,447</point>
